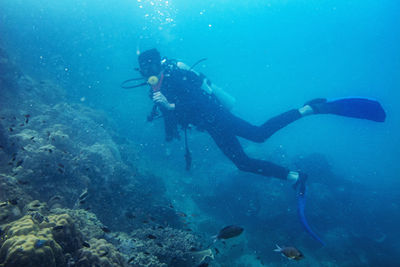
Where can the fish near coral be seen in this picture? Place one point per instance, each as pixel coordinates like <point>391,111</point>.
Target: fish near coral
<point>40,243</point>
<point>105,229</point>
<point>229,232</point>
<point>291,253</point>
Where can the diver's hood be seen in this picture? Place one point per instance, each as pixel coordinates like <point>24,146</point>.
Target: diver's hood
<point>149,63</point>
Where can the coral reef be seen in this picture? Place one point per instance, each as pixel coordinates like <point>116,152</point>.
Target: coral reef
<point>27,243</point>
<point>99,253</point>
<point>12,199</point>
<point>51,151</point>
<point>167,244</point>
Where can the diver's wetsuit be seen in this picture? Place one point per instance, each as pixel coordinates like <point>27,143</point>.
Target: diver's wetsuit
<point>195,106</point>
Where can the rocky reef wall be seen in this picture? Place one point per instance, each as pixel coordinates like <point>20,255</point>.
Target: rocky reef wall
<point>67,197</point>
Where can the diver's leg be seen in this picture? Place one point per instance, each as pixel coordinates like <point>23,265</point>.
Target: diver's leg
<point>242,128</point>
<point>230,146</point>
<point>276,123</point>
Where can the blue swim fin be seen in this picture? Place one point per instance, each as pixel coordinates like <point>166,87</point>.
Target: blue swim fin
<point>355,107</point>
<point>301,204</point>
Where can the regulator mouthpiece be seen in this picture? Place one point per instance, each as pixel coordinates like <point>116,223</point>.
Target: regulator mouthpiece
<point>153,80</point>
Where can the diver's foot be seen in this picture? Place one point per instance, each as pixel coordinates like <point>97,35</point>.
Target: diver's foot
<point>317,105</point>
<point>300,185</point>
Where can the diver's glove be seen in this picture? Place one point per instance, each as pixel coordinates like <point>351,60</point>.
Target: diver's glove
<point>300,184</point>
<point>161,100</point>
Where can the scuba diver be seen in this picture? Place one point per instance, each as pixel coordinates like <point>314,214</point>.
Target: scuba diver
<point>185,97</point>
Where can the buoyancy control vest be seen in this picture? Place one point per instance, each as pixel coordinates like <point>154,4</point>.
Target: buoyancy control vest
<point>207,86</point>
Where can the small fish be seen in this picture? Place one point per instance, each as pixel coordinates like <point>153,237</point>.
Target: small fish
<point>103,254</point>
<point>181,214</point>
<point>216,251</point>
<point>85,244</point>
<point>13,201</point>
<point>50,150</point>
<point>40,243</point>
<point>105,229</point>
<point>131,260</point>
<point>60,170</point>
<point>32,138</point>
<point>58,227</point>
<point>11,129</point>
<point>130,215</point>
<point>291,253</point>
<point>204,264</point>
<point>61,165</point>
<point>81,202</point>
<point>229,231</point>
<point>27,116</point>
<point>23,182</point>
<point>150,236</point>
<point>22,124</point>
<point>84,195</point>
<point>55,198</point>
<point>19,163</point>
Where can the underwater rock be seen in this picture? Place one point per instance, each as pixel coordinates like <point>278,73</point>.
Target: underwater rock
<point>12,199</point>
<point>8,74</point>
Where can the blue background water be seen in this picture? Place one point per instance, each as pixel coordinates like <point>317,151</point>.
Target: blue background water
<point>272,56</point>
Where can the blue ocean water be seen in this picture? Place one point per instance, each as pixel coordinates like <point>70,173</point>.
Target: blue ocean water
<point>272,56</point>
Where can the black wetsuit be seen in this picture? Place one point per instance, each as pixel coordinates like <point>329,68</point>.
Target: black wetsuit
<point>195,106</point>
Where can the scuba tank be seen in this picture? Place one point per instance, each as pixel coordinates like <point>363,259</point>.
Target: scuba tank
<point>223,97</point>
